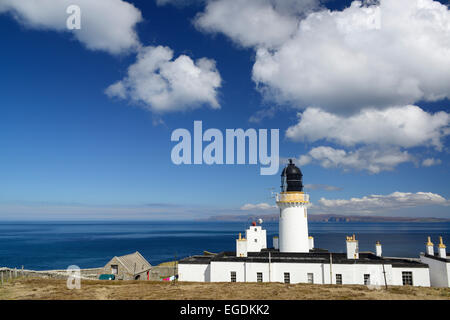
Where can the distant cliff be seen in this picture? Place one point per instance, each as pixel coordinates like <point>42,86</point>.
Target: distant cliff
<point>328,218</point>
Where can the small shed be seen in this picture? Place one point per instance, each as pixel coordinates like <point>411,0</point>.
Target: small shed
<point>132,266</point>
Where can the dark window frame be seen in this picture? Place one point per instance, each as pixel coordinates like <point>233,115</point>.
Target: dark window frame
<point>407,278</point>
<point>287,277</point>
<point>233,276</point>
<point>259,277</point>
<point>366,279</point>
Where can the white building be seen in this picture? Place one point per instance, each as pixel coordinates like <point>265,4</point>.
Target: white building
<point>439,265</point>
<point>293,258</point>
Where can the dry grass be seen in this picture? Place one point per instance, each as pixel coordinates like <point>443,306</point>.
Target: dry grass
<point>46,289</point>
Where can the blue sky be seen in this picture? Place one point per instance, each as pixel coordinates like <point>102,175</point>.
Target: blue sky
<point>374,119</point>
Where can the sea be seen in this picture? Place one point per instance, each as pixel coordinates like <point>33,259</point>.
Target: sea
<point>57,245</point>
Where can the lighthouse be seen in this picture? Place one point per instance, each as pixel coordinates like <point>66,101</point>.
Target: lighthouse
<point>292,201</point>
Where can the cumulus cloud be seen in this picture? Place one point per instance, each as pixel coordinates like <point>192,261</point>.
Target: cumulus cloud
<point>391,53</point>
<point>431,162</point>
<point>374,160</point>
<point>393,201</point>
<point>407,126</point>
<point>259,206</point>
<point>107,25</point>
<point>162,84</point>
<point>252,23</point>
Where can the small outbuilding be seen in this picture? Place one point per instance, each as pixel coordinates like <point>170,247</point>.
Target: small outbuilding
<point>129,267</point>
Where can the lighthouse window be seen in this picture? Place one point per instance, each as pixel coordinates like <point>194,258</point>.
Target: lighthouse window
<point>259,277</point>
<point>256,240</point>
<point>287,277</point>
<point>367,279</point>
<point>233,276</point>
<point>407,278</point>
<point>338,278</point>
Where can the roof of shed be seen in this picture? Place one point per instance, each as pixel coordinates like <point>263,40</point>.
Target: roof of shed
<point>134,262</point>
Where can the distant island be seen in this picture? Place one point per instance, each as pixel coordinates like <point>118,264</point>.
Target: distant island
<point>327,218</point>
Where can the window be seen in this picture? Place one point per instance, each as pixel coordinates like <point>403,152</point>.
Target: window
<point>256,240</point>
<point>310,277</point>
<point>367,279</point>
<point>114,269</point>
<point>338,278</point>
<point>233,276</point>
<point>259,277</point>
<point>287,277</point>
<point>407,278</point>
<point>256,230</point>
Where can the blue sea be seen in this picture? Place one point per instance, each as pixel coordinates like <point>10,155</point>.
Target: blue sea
<point>56,245</point>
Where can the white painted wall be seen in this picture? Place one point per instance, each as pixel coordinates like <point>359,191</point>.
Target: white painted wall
<point>352,249</point>
<point>256,239</point>
<point>354,273</point>
<point>275,243</point>
<point>293,228</point>
<point>421,276</point>
<point>442,252</point>
<point>220,271</point>
<point>378,250</point>
<point>241,247</point>
<point>311,242</point>
<point>194,272</point>
<point>351,273</point>
<point>439,271</point>
<point>298,272</point>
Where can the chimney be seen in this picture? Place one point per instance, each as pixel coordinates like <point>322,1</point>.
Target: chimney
<point>241,247</point>
<point>378,249</point>
<point>275,243</point>
<point>430,248</point>
<point>352,248</point>
<point>311,242</point>
<point>442,251</point>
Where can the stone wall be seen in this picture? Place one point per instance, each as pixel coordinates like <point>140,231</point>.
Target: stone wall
<point>156,273</point>
<point>11,273</point>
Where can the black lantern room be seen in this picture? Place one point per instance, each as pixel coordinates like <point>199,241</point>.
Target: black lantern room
<point>291,178</point>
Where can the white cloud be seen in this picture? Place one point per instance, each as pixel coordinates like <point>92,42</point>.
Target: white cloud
<point>107,25</point>
<point>164,84</point>
<point>374,160</point>
<point>431,162</point>
<point>259,206</point>
<point>253,22</point>
<point>373,203</point>
<point>407,126</point>
<point>394,53</point>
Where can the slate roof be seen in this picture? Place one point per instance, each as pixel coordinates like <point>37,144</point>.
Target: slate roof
<point>134,263</point>
<point>314,256</point>
<point>447,259</point>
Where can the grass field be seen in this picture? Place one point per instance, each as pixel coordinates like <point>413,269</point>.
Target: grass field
<point>47,289</point>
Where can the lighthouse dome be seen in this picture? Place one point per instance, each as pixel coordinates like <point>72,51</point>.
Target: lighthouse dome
<point>291,178</point>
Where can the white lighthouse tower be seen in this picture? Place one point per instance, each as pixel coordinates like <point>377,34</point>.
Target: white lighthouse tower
<point>292,201</point>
